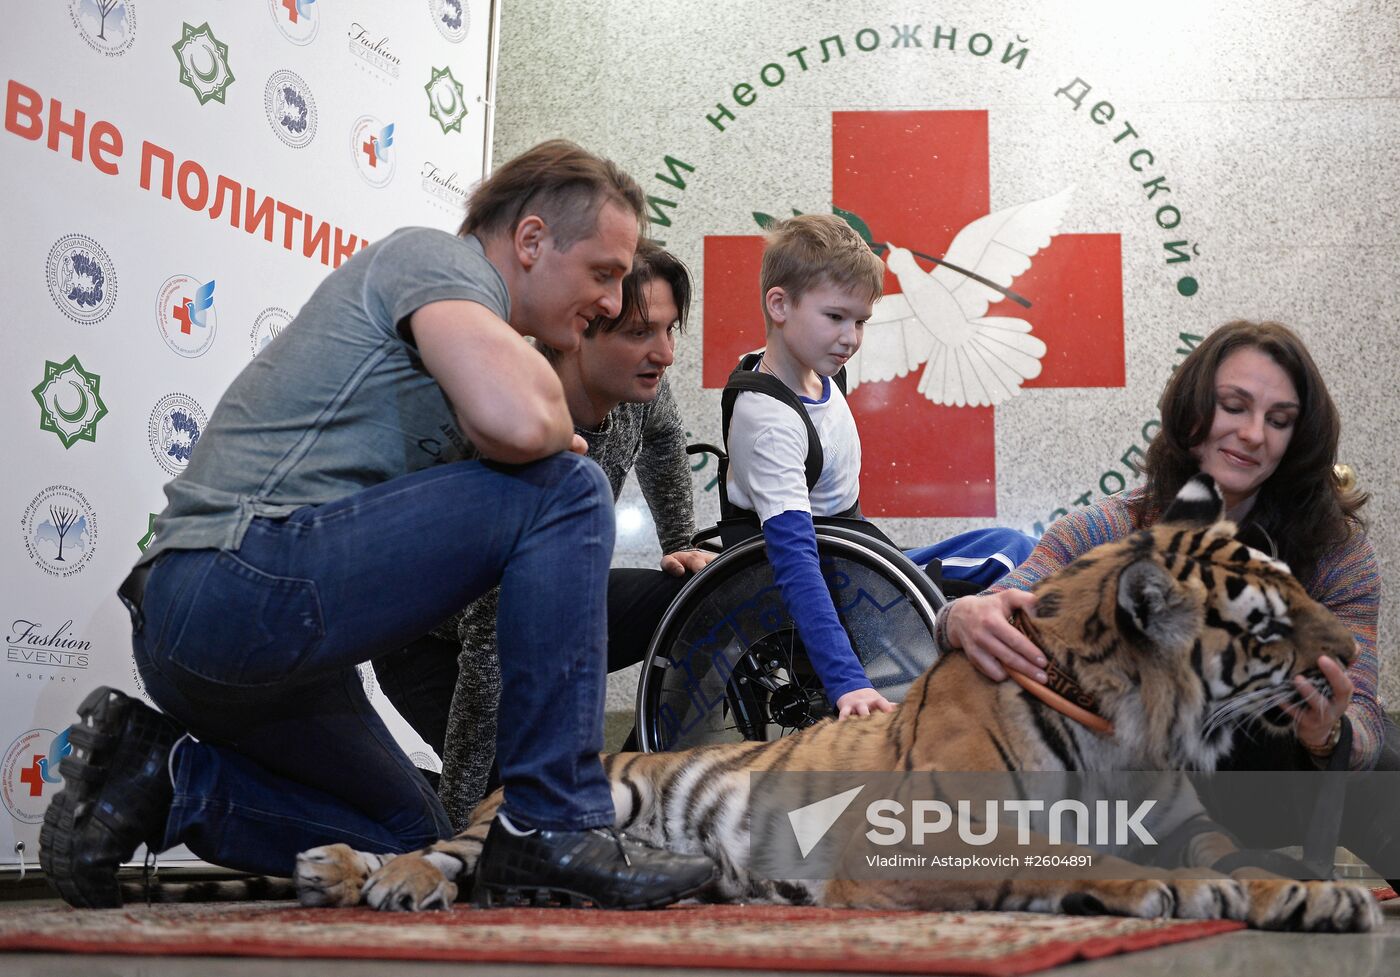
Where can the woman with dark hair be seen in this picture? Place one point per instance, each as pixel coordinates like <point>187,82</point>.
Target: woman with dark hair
<point>1302,507</point>
<point>1249,407</point>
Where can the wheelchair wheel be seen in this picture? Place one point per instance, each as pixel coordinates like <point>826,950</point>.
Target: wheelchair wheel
<point>726,663</point>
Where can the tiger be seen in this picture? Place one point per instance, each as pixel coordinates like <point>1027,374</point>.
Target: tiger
<point>1179,633</point>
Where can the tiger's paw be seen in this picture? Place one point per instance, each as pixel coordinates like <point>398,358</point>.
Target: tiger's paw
<point>1143,898</point>
<point>409,883</point>
<point>1311,907</point>
<point>333,875</point>
<point>1211,898</point>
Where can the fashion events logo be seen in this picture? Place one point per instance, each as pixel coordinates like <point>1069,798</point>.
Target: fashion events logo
<point>444,188</point>
<point>372,147</point>
<point>452,18</point>
<point>82,279</point>
<point>59,528</point>
<point>185,315</point>
<point>203,61</point>
<point>176,424</point>
<point>297,20</point>
<point>373,51</point>
<point>69,402</point>
<point>29,774</point>
<point>31,643</point>
<point>108,26</point>
<point>290,108</point>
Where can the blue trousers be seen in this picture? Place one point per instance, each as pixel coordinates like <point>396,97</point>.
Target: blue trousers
<point>254,650</point>
<point>979,556</point>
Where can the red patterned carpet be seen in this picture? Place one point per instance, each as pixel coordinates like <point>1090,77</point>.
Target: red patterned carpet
<point>757,937</point>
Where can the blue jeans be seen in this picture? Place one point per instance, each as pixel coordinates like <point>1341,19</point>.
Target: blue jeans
<point>254,650</point>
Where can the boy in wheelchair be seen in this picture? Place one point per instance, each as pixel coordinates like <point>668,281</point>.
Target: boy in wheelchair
<point>794,451</point>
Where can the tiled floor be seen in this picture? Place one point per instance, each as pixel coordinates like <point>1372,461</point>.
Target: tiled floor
<point>1250,954</point>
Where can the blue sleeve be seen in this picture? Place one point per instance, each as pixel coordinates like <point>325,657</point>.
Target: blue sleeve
<point>792,551</point>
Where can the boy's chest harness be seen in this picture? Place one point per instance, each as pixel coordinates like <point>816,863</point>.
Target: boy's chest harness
<point>746,377</point>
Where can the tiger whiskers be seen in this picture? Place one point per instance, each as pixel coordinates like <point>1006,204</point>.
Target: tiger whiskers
<point>1249,706</point>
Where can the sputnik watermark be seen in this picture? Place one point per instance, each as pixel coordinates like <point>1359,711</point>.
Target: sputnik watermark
<point>1108,822</point>
<point>962,863</point>
<point>892,822</point>
<point>996,826</point>
<point>812,825</point>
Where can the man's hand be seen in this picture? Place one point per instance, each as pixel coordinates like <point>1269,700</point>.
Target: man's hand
<point>681,562</point>
<point>981,627</point>
<point>579,446</point>
<point>862,702</point>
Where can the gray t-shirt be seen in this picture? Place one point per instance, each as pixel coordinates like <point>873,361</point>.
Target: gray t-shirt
<point>338,402</point>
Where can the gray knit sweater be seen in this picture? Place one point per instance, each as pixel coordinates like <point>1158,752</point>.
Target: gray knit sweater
<point>647,437</point>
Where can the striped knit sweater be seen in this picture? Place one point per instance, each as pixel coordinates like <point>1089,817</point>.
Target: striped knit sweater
<point>1347,581</point>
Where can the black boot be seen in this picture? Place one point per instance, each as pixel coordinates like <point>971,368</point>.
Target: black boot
<point>116,795</point>
<point>599,866</point>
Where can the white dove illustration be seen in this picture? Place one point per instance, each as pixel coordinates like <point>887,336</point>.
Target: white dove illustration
<point>939,318</point>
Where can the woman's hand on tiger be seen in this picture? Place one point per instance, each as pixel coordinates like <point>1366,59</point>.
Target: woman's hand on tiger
<point>1313,721</point>
<point>981,628</point>
<point>862,702</point>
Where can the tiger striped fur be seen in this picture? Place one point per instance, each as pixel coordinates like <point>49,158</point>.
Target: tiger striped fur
<point>1179,632</point>
<point>248,888</point>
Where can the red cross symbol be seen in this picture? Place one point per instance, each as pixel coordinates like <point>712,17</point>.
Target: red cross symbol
<point>917,178</point>
<point>181,315</point>
<point>370,149</point>
<point>291,6</point>
<point>31,776</point>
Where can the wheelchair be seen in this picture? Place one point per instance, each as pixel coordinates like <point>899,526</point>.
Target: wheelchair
<point>726,663</point>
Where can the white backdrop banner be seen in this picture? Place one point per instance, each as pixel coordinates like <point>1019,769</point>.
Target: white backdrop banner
<point>178,178</point>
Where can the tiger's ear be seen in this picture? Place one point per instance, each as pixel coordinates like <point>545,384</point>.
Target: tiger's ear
<point>1197,504</point>
<point>1155,604</point>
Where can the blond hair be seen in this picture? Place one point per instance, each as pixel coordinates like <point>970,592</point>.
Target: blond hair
<point>804,252</point>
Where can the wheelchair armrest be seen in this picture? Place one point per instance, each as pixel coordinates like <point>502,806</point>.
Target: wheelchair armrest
<point>700,448</point>
<point>728,532</point>
<point>706,539</point>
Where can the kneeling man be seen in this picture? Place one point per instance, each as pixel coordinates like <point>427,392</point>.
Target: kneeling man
<point>325,518</point>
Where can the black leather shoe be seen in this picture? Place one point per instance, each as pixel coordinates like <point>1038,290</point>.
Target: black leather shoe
<point>575,868</point>
<point>116,795</point>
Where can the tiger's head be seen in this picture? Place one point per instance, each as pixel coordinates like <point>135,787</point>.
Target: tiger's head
<point>1183,634</point>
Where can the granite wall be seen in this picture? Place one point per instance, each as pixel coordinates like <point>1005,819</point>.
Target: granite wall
<point>1270,129</point>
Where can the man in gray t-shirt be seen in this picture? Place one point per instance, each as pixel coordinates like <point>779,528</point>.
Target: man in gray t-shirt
<point>327,516</point>
<point>621,403</point>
